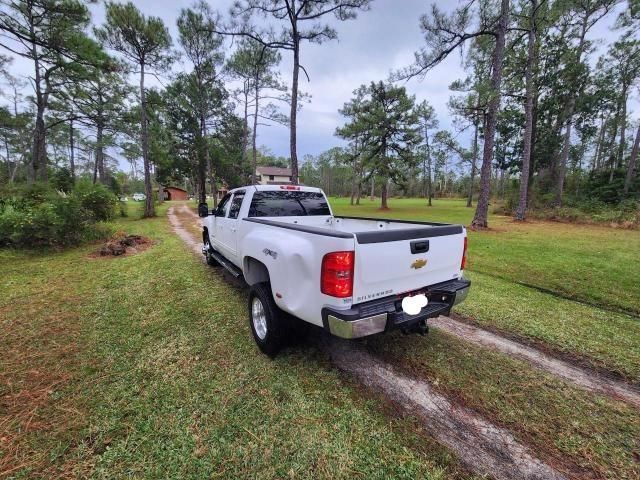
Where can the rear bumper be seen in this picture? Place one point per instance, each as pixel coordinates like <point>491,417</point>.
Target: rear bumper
<point>386,314</point>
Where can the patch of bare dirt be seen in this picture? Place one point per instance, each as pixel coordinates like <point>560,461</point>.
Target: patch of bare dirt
<point>481,446</point>
<point>581,377</point>
<point>123,245</point>
<point>182,232</point>
<point>190,221</point>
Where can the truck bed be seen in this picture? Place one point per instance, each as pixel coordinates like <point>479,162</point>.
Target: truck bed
<point>393,257</point>
<point>365,230</point>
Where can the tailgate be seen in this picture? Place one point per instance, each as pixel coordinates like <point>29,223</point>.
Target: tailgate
<point>397,261</point>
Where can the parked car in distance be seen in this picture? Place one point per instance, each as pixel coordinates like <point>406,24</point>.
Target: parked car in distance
<point>351,276</point>
<point>138,197</point>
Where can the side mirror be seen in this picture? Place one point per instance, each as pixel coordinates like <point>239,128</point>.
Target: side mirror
<point>203,209</point>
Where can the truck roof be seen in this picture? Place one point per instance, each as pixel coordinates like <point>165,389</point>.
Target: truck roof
<point>271,188</point>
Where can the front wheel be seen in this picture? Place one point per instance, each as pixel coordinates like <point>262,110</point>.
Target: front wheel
<point>266,320</point>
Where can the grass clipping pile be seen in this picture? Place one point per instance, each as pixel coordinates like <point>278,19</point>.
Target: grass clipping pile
<point>123,244</point>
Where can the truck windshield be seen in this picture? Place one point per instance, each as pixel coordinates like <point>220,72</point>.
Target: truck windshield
<point>288,204</point>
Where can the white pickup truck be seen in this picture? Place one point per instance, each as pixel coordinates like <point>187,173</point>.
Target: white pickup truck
<point>351,276</point>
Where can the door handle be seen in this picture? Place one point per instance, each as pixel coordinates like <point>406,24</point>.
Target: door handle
<point>419,246</point>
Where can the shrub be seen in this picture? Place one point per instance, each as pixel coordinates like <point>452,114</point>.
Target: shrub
<point>97,199</point>
<point>62,180</point>
<point>626,214</point>
<point>39,216</point>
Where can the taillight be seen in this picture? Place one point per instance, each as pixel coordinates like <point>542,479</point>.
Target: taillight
<point>289,187</point>
<point>336,278</point>
<point>463,263</point>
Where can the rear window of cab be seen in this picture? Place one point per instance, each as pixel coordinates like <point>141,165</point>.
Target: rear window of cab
<point>288,204</point>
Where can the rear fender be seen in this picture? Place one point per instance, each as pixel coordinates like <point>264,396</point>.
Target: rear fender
<point>293,262</point>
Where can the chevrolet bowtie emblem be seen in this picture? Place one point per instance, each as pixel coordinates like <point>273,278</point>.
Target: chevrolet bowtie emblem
<point>419,263</point>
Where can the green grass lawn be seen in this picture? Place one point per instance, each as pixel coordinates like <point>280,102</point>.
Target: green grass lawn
<point>572,288</point>
<point>144,366</point>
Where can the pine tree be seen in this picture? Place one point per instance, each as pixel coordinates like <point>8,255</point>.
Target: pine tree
<point>144,42</point>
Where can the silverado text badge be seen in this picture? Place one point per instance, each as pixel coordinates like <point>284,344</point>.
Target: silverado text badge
<point>373,296</point>
<point>419,263</point>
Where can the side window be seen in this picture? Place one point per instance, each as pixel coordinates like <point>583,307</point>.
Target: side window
<point>223,206</point>
<point>236,204</point>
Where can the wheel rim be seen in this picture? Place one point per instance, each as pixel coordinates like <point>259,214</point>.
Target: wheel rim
<point>259,318</point>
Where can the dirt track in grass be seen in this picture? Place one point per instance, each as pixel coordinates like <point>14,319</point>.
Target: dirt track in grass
<point>181,230</point>
<point>581,377</point>
<point>481,446</point>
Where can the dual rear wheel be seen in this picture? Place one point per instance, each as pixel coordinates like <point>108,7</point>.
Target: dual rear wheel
<point>270,326</point>
<point>268,323</point>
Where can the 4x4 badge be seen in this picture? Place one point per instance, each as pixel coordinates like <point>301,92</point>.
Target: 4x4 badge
<point>419,263</point>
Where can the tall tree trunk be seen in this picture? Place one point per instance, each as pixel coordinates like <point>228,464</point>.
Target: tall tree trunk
<point>72,150</point>
<point>149,208</point>
<point>208,161</point>
<point>383,197</point>
<point>429,183</point>
<point>373,185</point>
<point>623,127</point>
<point>95,167</point>
<point>254,135</point>
<point>355,174</point>
<point>474,161</point>
<point>562,165</point>
<point>38,169</point>
<point>100,151</point>
<point>528,114</point>
<point>39,161</point>
<point>245,133</point>
<point>11,171</point>
<point>482,209</point>
<point>424,178</point>
<point>212,177</point>
<point>564,157</point>
<point>600,141</point>
<point>621,123</point>
<point>202,176</point>
<point>610,161</point>
<point>353,188</point>
<point>631,168</point>
<point>294,106</point>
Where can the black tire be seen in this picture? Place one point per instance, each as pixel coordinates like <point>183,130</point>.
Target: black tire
<point>270,339</point>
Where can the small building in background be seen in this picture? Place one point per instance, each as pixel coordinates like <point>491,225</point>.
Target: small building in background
<point>273,176</point>
<point>222,191</point>
<point>175,193</point>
